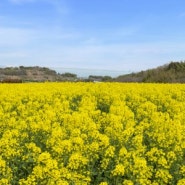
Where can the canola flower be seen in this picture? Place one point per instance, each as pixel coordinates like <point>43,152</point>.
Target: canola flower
<point>92,134</point>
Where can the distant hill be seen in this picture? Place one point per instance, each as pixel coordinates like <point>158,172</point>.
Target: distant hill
<point>33,74</point>
<point>174,72</point>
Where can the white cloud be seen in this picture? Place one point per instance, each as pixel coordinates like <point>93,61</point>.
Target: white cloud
<point>182,14</point>
<point>111,57</point>
<point>21,1</point>
<point>13,54</point>
<point>60,5</point>
<point>62,48</point>
<point>14,37</point>
<point>59,48</point>
<point>127,31</point>
<point>107,57</point>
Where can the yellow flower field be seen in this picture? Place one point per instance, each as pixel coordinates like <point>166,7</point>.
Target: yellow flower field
<point>92,134</point>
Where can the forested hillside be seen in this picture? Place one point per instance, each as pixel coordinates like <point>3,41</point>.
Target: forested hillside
<point>173,72</point>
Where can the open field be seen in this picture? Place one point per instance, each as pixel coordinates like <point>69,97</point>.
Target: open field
<point>92,133</point>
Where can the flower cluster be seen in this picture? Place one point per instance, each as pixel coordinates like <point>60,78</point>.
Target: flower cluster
<point>92,133</point>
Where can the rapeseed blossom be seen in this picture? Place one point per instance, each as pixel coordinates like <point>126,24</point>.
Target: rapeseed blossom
<point>92,133</point>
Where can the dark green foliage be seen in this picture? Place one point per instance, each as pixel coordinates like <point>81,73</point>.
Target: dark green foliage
<point>100,78</point>
<point>70,75</point>
<point>174,72</point>
<point>74,104</point>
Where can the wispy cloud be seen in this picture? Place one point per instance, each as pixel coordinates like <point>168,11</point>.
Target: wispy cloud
<point>14,57</point>
<point>127,30</point>
<point>182,14</point>
<point>63,48</point>
<point>50,44</point>
<point>60,5</point>
<point>21,1</point>
<point>13,54</point>
<point>15,37</point>
<point>131,57</point>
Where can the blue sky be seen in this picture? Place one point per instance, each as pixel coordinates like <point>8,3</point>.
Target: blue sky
<point>126,35</point>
